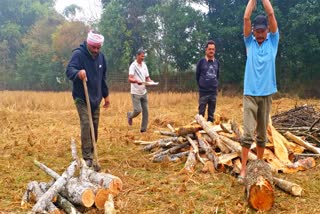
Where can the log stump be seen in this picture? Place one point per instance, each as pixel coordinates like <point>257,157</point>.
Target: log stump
<point>259,185</point>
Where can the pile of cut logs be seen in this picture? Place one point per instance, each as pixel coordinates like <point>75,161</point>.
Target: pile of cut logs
<point>303,121</point>
<point>77,190</point>
<point>217,147</point>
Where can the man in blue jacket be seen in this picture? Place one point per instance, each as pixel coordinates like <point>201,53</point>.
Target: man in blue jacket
<point>88,63</point>
<point>207,76</point>
<point>261,41</point>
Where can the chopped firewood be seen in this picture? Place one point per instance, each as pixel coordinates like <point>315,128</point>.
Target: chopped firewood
<point>190,163</point>
<point>189,129</point>
<point>208,167</point>
<point>34,191</point>
<point>302,143</point>
<point>237,130</point>
<point>108,181</point>
<point>259,185</point>
<point>290,187</point>
<point>227,158</point>
<point>102,196</point>
<point>55,188</point>
<point>171,134</point>
<point>109,206</point>
<point>61,202</point>
<point>303,164</point>
<point>213,134</point>
<point>280,149</point>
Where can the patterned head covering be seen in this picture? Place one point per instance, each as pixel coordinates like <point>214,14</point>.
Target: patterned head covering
<point>95,38</point>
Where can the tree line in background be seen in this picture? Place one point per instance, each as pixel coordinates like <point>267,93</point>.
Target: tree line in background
<point>36,42</point>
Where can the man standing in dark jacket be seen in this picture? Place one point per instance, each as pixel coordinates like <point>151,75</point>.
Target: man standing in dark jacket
<point>207,75</point>
<point>88,63</point>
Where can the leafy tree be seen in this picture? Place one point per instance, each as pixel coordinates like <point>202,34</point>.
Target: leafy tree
<point>36,67</point>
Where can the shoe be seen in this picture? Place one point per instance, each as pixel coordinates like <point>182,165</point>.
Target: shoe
<point>143,131</point>
<point>129,119</point>
<point>89,162</point>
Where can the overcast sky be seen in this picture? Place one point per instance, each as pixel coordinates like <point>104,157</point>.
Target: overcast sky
<point>91,8</point>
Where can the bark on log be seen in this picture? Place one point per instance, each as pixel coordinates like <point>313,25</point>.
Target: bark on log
<point>211,154</point>
<point>214,135</point>
<point>79,192</point>
<point>171,134</point>
<point>190,163</point>
<point>237,130</point>
<point>287,186</point>
<point>161,155</point>
<point>259,185</point>
<point>302,143</point>
<point>108,181</point>
<point>189,129</point>
<point>34,191</point>
<point>55,188</point>
<point>161,142</point>
<point>236,147</point>
<point>61,202</point>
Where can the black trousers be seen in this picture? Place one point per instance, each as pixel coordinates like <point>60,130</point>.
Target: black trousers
<point>209,100</point>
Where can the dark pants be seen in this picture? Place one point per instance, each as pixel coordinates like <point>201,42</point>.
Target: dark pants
<point>209,100</point>
<point>140,104</point>
<point>86,142</point>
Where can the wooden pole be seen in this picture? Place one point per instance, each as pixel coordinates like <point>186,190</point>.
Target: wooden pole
<point>96,165</point>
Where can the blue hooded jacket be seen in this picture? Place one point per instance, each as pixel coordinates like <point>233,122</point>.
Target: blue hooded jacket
<point>96,71</point>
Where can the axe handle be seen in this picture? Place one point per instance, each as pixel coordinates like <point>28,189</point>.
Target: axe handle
<point>93,138</point>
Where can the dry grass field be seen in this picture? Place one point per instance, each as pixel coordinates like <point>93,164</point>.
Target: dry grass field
<point>39,125</point>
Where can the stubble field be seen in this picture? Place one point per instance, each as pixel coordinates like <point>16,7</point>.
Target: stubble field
<point>40,125</point>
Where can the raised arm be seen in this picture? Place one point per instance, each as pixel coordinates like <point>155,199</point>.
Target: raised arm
<point>273,25</point>
<point>246,18</point>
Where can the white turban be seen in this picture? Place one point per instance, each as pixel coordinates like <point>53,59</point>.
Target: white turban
<point>95,39</point>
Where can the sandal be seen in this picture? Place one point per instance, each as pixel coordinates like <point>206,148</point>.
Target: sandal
<point>240,179</point>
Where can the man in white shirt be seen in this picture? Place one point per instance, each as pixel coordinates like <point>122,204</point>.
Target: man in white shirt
<point>138,75</point>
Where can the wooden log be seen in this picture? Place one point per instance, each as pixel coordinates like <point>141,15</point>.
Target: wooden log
<point>109,206</point>
<point>236,147</point>
<point>225,128</point>
<point>34,191</point>
<point>61,202</point>
<point>101,198</point>
<point>190,163</point>
<point>213,134</point>
<point>237,130</point>
<point>105,180</point>
<point>211,154</point>
<point>161,143</point>
<point>259,185</point>
<point>77,192</point>
<point>188,129</point>
<point>280,149</point>
<point>172,134</point>
<point>194,145</point>
<point>170,127</point>
<point>159,156</point>
<point>55,188</point>
<point>303,143</point>
<point>287,186</point>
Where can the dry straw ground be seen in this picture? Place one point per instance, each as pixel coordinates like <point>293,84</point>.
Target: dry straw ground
<point>39,125</point>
